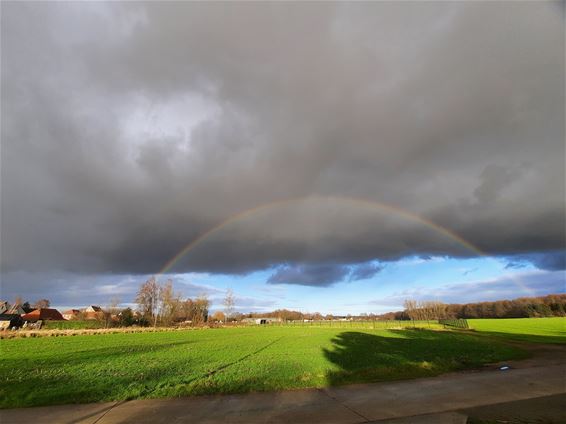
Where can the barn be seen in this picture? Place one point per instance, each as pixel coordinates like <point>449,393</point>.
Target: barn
<point>44,314</point>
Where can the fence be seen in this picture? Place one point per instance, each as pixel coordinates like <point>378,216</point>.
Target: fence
<point>456,323</point>
<point>368,324</point>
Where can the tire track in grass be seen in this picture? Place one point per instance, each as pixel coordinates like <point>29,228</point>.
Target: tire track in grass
<point>237,361</point>
<point>221,367</point>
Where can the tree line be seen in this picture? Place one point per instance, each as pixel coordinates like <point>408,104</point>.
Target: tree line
<point>553,305</point>
<point>523,307</point>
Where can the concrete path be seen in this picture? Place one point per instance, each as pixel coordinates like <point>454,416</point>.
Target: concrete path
<point>433,399</point>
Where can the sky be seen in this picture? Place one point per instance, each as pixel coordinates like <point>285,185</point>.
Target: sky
<point>317,156</point>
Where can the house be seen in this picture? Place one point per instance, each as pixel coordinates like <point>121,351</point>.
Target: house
<point>94,312</point>
<point>8,321</point>
<point>4,306</point>
<point>93,308</point>
<point>43,314</point>
<point>72,314</point>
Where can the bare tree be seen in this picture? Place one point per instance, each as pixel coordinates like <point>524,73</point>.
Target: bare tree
<point>229,303</point>
<point>201,305</point>
<point>148,299</point>
<point>186,310</point>
<point>169,303</point>
<point>411,308</point>
<point>218,316</point>
<point>42,303</point>
<point>113,305</point>
<point>440,310</point>
<point>111,311</point>
<point>425,310</point>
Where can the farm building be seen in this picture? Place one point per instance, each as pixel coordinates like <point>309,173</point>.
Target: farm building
<point>43,314</point>
<point>342,318</point>
<point>71,314</point>
<point>8,321</point>
<point>260,321</point>
<point>93,308</point>
<point>4,306</point>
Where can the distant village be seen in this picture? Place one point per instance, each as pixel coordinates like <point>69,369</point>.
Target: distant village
<point>22,315</point>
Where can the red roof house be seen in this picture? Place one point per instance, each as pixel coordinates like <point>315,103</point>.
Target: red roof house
<point>94,312</point>
<point>43,314</point>
<point>71,314</point>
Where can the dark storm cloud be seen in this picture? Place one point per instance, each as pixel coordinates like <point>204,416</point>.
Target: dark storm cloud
<point>365,271</point>
<point>322,275</point>
<point>129,129</point>
<point>309,275</point>
<point>551,261</point>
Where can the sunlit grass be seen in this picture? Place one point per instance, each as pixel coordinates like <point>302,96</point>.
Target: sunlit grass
<point>543,330</point>
<point>43,371</point>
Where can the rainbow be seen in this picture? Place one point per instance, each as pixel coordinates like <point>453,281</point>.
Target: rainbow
<point>366,203</point>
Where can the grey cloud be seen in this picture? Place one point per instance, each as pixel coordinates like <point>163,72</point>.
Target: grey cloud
<point>73,289</point>
<point>494,179</point>
<point>321,275</point>
<point>515,265</point>
<point>245,304</point>
<point>549,261</point>
<point>365,271</point>
<point>131,129</point>
<point>469,271</point>
<point>552,261</point>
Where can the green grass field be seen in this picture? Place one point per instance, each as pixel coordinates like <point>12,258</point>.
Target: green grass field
<point>72,369</point>
<point>536,330</point>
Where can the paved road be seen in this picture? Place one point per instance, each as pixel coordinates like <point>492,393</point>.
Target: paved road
<point>395,402</point>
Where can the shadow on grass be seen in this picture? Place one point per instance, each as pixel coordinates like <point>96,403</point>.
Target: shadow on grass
<point>364,357</point>
<point>125,372</point>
